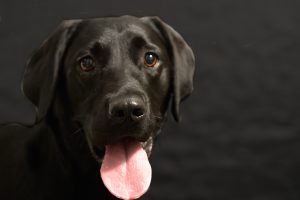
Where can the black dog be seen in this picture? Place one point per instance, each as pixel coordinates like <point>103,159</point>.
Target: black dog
<point>94,82</point>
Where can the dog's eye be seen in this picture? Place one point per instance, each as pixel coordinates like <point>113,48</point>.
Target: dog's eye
<point>150,59</point>
<point>87,64</point>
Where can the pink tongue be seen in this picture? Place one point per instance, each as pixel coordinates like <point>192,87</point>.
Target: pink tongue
<point>125,170</point>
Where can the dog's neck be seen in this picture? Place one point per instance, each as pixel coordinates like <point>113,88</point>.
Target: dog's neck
<point>70,165</point>
<point>71,139</point>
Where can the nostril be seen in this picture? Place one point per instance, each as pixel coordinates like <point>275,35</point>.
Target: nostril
<point>118,114</point>
<point>137,113</point>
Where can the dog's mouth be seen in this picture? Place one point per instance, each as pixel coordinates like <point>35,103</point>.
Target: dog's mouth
<point>125,169</point>
<point>99,152</point>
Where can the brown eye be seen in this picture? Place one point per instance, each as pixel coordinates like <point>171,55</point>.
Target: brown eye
<point>150,59</point>
<point>87,64</point>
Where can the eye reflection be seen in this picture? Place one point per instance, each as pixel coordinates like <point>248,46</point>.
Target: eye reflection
<point>150,59</point>
<point>87,64</point>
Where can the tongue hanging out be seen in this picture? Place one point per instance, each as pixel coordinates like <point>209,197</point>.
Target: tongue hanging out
<point>125,170</point>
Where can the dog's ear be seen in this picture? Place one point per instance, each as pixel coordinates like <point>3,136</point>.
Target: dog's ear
<point>41,71</point>
<point>183,62</point>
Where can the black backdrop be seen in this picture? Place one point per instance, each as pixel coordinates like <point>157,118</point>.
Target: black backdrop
<point>239,138</point>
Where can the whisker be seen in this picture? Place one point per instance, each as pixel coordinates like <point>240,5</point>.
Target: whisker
<point>77,131</point>
<point>157,117</point>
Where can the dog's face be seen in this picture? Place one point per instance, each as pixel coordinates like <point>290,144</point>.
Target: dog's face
<point>118,76</point>
<point>119,79</point>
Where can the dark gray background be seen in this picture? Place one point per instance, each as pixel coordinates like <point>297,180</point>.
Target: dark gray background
<point>239,138</point>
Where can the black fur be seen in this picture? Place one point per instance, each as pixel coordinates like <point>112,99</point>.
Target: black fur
<point>60,155</point>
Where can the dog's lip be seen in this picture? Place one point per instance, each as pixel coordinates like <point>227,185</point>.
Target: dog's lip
<point>99,152</point>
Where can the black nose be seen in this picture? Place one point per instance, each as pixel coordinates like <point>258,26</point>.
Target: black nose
<point>130,109</point>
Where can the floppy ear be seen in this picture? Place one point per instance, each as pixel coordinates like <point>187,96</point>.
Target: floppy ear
<point>183,62</point>
<point>41,71</point>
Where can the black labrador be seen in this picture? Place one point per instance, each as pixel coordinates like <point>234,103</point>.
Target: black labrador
<point>94,82</point>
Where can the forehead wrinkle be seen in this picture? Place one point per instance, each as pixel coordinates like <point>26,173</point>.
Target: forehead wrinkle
<point>133,32</point>
<point>136,29</point>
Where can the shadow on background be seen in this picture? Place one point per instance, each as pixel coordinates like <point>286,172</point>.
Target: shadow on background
<point>239,138</point>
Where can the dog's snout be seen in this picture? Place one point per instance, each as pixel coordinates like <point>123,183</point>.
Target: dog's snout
<point>127,109</point>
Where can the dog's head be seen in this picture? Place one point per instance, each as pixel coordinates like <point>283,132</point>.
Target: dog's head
<point>113,77</point>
